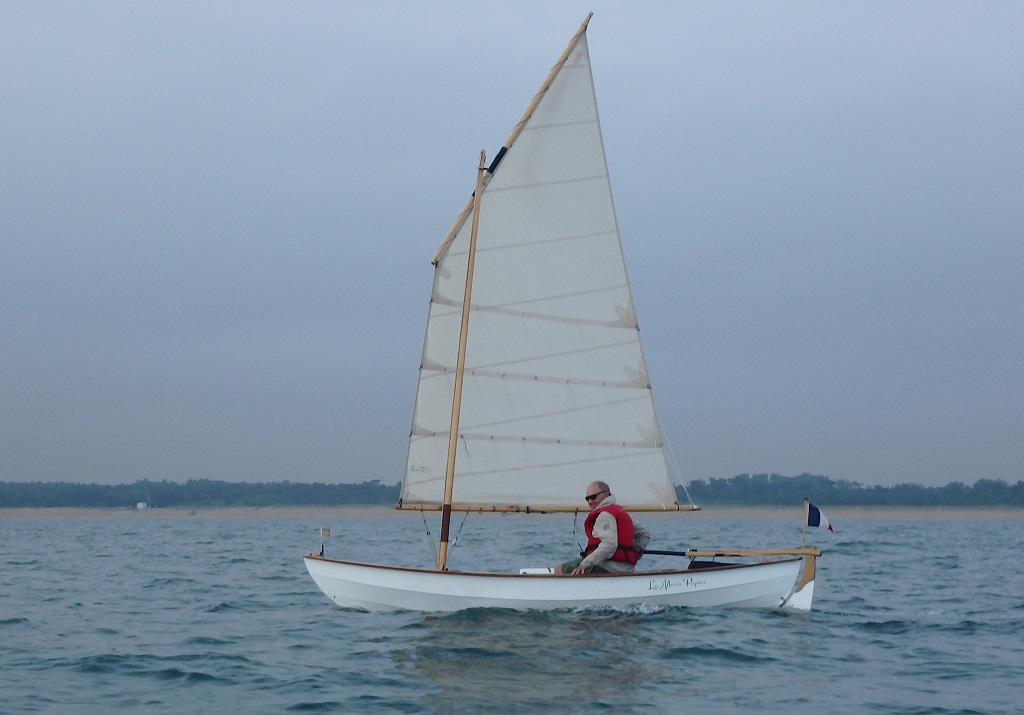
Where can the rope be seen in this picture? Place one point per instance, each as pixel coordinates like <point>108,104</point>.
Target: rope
<point>677,475</point>
<point>426,535</point>
<point>575,521</point>
<point>456,539</point>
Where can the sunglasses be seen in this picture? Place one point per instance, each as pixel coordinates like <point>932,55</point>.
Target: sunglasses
<point>592,497</point>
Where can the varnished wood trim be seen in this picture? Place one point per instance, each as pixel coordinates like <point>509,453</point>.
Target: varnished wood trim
<point>538,508</point>
<point>642,574</point>
<point>464,214</point>
<point>808,575</point>
<point>711,553</point>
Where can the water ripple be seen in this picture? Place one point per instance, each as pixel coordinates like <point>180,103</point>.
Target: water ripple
<point>221,611</point>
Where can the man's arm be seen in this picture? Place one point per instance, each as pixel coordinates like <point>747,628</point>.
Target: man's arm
<point>641,536</point>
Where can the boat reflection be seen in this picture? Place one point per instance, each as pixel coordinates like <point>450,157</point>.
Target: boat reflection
<point>545,661</point>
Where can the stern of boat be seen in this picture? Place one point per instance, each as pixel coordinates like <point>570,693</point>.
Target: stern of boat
<point>803,592</point>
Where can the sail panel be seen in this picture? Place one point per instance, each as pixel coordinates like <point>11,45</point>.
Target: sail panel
<point>525,408</point>
<point>555,390</point>
<point>560,156</point>
<point>533,234</point>
<point>550,346</point>
<point>537,473</point>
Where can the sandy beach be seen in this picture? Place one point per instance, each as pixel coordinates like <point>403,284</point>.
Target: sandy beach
<point>835,514</point>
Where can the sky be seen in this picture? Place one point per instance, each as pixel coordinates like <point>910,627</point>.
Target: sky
<point>217,220</point>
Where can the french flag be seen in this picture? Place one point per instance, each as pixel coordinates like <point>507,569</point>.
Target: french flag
<point>815,517</point>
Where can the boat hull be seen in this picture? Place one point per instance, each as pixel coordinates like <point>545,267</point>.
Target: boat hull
<point>775,584</point>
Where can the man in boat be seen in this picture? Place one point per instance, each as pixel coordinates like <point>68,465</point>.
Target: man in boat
<point>614,540</point>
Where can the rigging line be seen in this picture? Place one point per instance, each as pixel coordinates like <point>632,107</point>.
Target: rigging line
<point>675,473</point>
<point>426,536</point>
<point>575,521</point>
<point>456,539</point>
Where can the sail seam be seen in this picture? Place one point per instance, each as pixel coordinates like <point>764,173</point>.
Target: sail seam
<point>527,377</point>
<point>576,123</point>
<point>538,184</point>
<point>547,241</point>
<point>543,415</point>
<point>569,410</point>
<point>626,323</point>
<point>487,368</point>
<point>465,475</point>
<point>646,444</point>
<point>636,444</point>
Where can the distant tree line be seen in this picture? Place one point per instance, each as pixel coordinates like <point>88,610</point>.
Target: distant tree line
<point>205,493</point>
<point>779,490</point>
<point>741,490</point>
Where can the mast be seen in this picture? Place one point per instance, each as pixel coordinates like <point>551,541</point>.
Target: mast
<point>453,435</point>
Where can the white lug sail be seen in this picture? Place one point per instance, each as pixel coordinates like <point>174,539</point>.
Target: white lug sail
<point>556,391</point>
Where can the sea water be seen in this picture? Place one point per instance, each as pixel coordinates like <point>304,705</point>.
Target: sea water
<point>208,614</point>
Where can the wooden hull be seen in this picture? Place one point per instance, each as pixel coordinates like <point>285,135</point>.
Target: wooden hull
<point>784,583</point>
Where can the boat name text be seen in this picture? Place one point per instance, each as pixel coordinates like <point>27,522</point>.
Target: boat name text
<point>668,584</point>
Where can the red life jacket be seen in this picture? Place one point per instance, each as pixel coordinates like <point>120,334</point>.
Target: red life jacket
<point>626,552</point>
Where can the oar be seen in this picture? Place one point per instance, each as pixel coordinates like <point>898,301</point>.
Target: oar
<point>668,553</point>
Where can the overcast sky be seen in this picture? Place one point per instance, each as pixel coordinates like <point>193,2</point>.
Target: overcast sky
<point>217,220</point>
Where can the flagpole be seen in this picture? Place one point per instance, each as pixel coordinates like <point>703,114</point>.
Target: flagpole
<point>324,533</point>
<point>803,535</point>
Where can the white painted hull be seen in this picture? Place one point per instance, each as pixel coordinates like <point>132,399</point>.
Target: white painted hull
<point>384,588</point>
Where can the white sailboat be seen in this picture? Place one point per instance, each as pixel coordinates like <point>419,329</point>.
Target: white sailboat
<point>533,384</point>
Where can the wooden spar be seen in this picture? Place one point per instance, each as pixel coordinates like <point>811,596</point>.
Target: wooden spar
<point>535,508</point>
<point>515,133</point>
<point>803,532</point>
<point>711,553</point>
<point>460,368</point>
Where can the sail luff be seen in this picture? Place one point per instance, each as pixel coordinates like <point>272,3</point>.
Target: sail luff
<point>516,130</point>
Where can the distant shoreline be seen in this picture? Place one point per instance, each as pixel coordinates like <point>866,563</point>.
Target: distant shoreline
<point>379,511</point>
